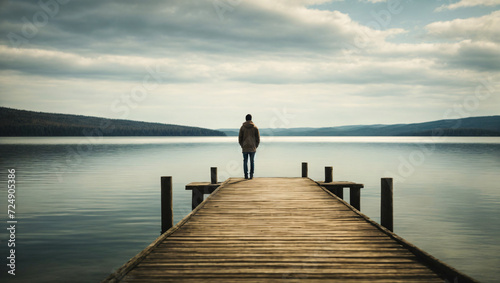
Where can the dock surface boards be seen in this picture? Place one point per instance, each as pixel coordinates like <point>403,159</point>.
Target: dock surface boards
<point>278,229</point>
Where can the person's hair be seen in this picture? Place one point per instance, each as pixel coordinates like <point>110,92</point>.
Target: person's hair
<point>248,117</point>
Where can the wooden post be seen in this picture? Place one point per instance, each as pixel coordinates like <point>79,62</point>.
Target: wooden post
<point>213,175</point>
<point>304,169</point>
<point>196,197</point>
<point>167,214</point>
<point>328,174</point>
<point>386,204</point>
<point>355,197</point>
<point>339,192</point>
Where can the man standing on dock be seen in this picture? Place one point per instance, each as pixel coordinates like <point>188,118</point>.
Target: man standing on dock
<point>249,139</point>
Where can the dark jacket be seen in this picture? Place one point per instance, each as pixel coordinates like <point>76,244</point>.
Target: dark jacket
<point>249,137</point>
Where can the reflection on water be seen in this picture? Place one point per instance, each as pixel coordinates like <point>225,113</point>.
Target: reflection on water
<point>85,208</point>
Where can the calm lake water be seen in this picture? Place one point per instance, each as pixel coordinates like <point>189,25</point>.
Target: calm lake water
<point>84,207</point>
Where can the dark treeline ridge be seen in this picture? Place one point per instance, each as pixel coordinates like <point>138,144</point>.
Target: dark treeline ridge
<point>457,133</point>
<point>15,122</point>
<point>470,126</point>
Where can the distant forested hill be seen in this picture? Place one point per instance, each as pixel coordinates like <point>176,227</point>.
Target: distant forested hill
<point>28,123</point>
<point>472,126</point>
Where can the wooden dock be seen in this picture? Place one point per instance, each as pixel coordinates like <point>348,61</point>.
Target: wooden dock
<point>280,229</point>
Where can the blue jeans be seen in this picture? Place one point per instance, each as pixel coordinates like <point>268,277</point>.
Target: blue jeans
<point>245,163</point>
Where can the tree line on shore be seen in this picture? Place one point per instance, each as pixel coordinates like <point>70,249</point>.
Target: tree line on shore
<point>15,122</point>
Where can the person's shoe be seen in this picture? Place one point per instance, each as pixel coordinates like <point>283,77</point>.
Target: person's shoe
<point>251,176</point>
<point>246,177</point>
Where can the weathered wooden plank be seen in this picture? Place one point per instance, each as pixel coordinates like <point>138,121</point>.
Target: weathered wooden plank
<point>195,185</point>
<point>305,273</point>
<point>289,279</point>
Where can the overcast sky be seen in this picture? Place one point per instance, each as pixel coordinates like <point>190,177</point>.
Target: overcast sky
<point>290,63</point>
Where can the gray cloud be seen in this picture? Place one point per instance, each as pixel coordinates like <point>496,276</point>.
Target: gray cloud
<point>477,41</point>
<point>482,57</point>
<point>467,3</point>
<point>182,30</point>
<point>483,28</point>
<point>158,28</point>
